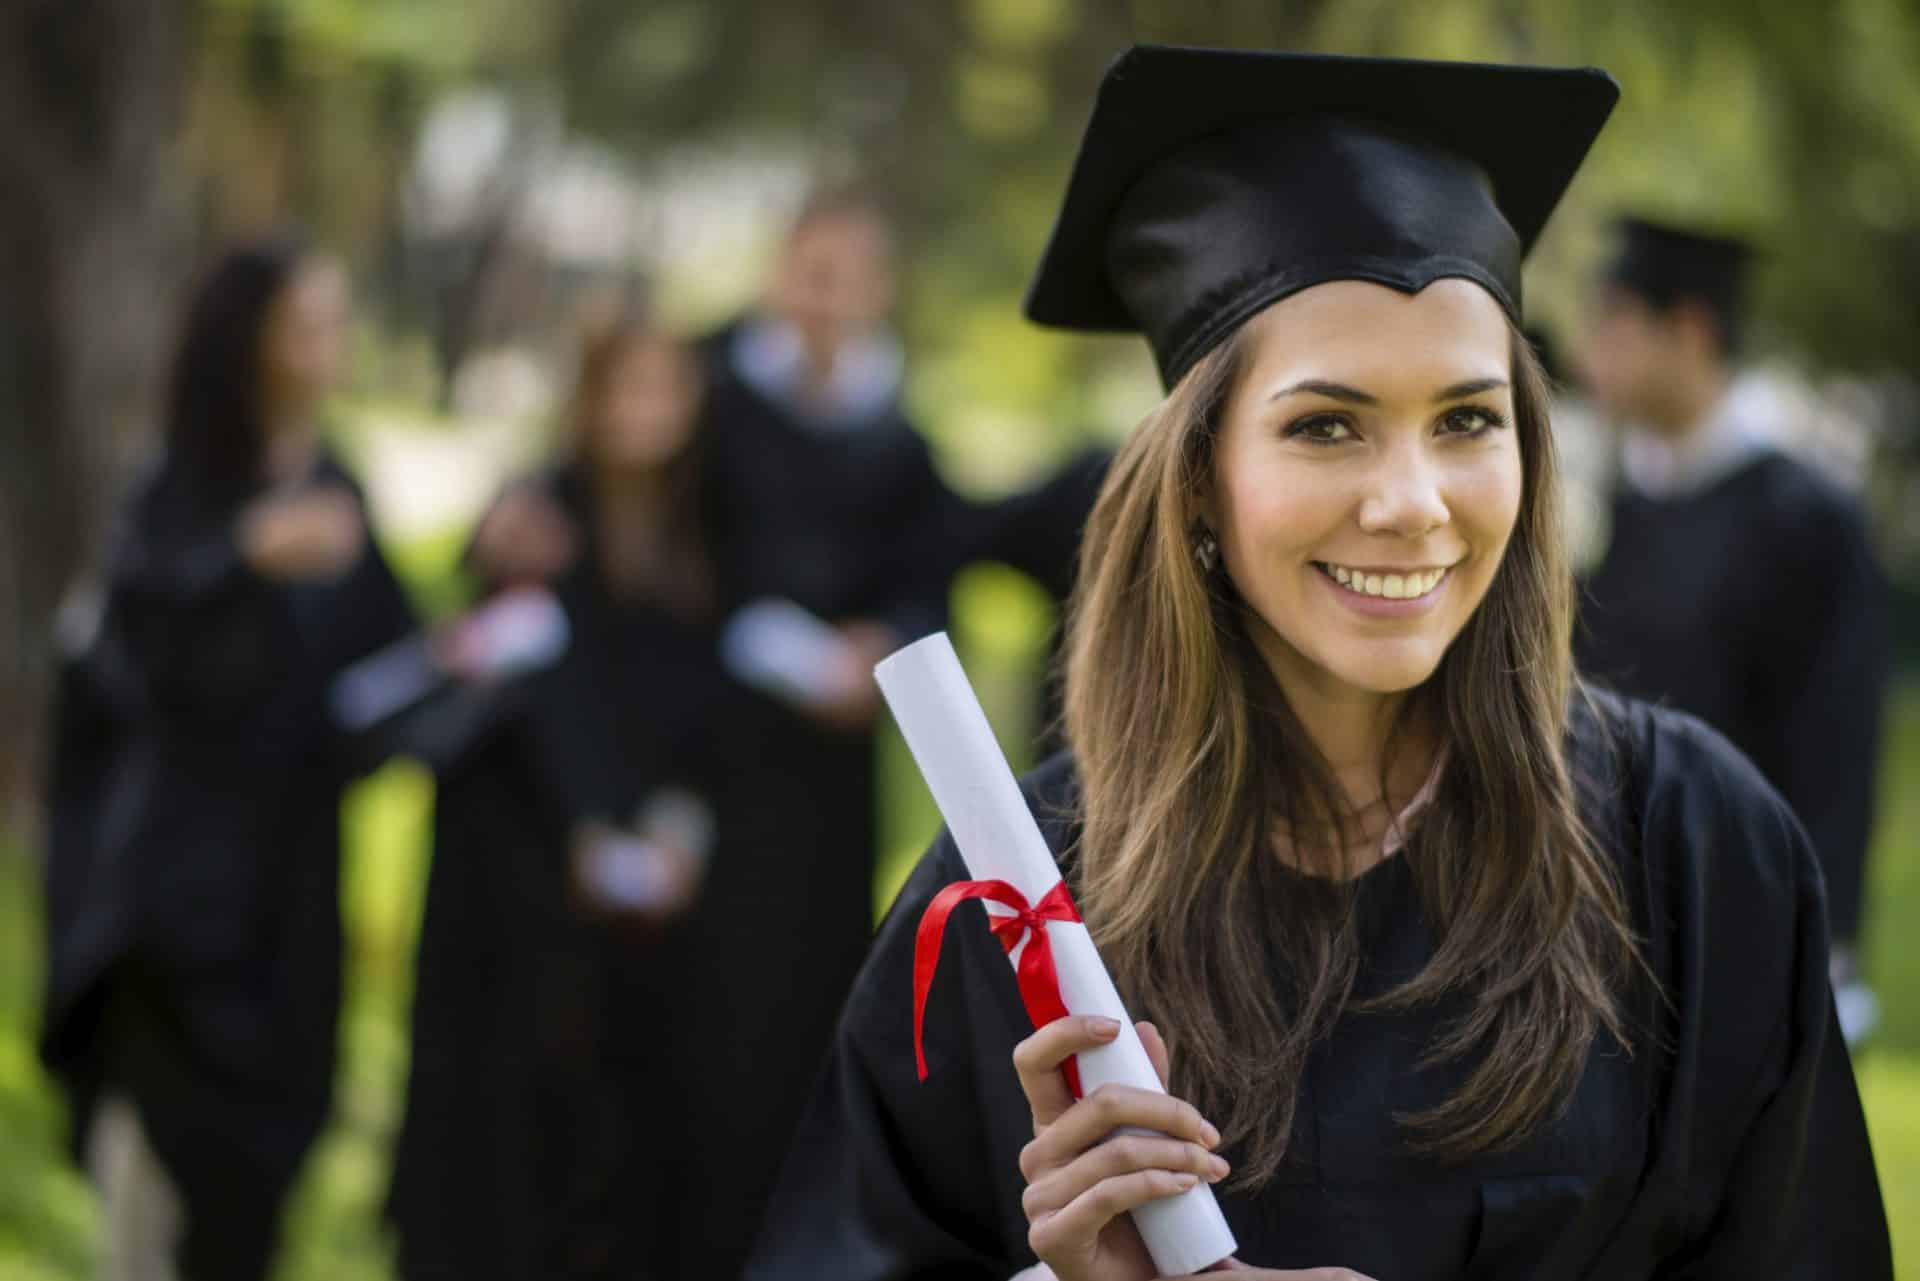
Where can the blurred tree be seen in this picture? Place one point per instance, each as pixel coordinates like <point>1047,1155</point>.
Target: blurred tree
<point>133,132</point>
<point>92,96</point>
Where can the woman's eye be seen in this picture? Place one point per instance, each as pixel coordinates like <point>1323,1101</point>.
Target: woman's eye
<point>1320,429</point>
<point>1470,420</point>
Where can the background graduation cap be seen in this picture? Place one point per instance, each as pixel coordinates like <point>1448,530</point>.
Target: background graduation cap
<point>1211,183</point>
<point>1664,263</point>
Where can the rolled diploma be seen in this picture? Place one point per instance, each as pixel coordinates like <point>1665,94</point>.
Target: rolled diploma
<point>998,839</point>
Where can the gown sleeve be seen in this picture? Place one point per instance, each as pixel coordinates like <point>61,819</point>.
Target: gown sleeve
<point>1762,1127</point>
<point>916,603</point>
<point>211,638</point>
<point>371,612</point>
<point>889,1177</point>
<point>1828,669</point>
<point>1038,531</point>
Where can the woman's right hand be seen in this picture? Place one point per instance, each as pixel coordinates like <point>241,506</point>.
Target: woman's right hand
<point>525,537</point>
<point>313,533</point>
<point>1083,1178</point>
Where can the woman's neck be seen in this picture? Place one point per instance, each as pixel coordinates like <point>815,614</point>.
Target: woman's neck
<point>1360,735</point>
<point>640,556</point>
<point>1353,730</point>
<point>628,492</point>
<point>287,452</point>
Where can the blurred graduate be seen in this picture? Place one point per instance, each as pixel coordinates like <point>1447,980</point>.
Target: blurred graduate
<point>1739,582</point>
<point>820,489</point>
<point>195,970</point>
<point>588,881</point>
<point>1453,968</point>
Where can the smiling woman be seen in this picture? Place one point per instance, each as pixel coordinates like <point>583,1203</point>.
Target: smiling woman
<point>1429,932</point>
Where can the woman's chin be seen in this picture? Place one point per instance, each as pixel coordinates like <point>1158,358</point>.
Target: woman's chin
<point>1388,673</point>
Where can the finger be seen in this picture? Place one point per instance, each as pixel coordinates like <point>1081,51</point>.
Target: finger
<point>1156,1052</point>
<point>1037,1061</point>
<point>1080,1223</point>
<point>1113,1107</point>
<point>1049,1190</point>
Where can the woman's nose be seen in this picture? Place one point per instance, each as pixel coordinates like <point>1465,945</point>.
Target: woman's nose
<point>1404,497</point>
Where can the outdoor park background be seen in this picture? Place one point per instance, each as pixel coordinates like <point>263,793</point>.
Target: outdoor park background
<point>484,165</point>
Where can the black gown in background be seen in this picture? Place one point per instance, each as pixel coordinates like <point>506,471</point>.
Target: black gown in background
<point>833,516</point>
<point>193,872</point>
<point>1729,1144</point>
<point>567,1071</point>
<point>1037,531</point>
<point>1756,604</point>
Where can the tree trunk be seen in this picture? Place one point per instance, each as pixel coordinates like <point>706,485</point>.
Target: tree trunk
<point>92,238</point>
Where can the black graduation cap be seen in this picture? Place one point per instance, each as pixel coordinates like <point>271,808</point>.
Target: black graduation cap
<point>1211,183</point>
<point>1664,263</point>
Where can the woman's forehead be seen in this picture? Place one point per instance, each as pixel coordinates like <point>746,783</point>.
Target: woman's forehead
<point>1360,333</point>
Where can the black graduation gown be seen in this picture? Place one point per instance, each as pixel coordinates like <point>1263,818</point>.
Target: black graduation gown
<point>563,1066</point>
<point>1757,605</point>
<point>1730,1144</point>
<point>834,518</point>
<point>193,872</point>
<point>1037,532</point>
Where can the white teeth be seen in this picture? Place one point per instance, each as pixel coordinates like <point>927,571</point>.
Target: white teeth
<point>1387,586</point>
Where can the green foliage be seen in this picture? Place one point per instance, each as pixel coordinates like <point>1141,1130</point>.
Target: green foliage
<point>1890,1090</point>
<point>47,1218</point>
<point>1893,884</point>
<point>1798,123</point>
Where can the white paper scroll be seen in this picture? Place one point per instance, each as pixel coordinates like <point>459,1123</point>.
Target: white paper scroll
<point>518,631</point>
<point>999,840</point>
<point>779,647</point>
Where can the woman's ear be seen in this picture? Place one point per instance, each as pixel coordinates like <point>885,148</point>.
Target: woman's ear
<point>1206,499</point>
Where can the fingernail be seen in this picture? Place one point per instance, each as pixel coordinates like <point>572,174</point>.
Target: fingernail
<point>1220,1169</point>
<point>1104,1028</point>
<point>1185,1181</point>
<point>1211,1135</point>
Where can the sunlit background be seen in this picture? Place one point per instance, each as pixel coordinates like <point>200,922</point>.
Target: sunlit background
<point>488,167</point>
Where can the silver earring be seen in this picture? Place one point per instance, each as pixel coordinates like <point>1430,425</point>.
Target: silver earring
<point>1206,550</point>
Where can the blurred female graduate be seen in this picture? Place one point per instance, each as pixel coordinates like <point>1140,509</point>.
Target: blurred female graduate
<point>194,941</point>
<point>1462,970</point>
<point>584,918</point>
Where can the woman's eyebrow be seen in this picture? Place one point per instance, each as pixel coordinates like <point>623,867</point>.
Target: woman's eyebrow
<point>1472,387</point>
<point>1332,391</point>
<point>1354,396</point>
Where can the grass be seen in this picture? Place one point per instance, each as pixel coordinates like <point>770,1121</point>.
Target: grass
<point>333,1228</point>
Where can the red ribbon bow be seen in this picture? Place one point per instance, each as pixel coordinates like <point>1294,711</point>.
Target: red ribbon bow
<point>1039,982</point>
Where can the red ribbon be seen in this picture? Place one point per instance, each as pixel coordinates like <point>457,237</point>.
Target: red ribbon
<point>1039,982</point>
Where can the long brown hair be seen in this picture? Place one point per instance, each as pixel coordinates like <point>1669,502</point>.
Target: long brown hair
<point>681,573</point>
<point>1189,757</point>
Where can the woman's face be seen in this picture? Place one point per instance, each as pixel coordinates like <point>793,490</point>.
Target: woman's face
<point>1366,479</point>
<point>647,406</point>
<point>304,346</point>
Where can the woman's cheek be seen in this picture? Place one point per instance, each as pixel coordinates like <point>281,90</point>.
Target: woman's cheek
<point>1277,512</point>
<point>1487,495</point>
